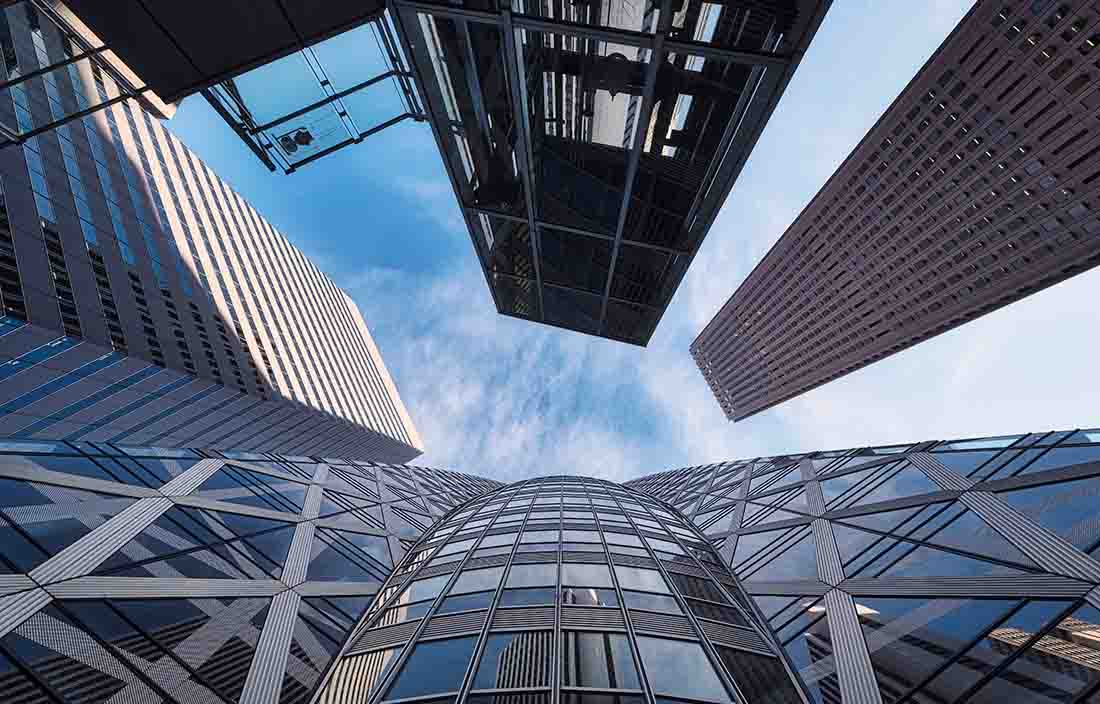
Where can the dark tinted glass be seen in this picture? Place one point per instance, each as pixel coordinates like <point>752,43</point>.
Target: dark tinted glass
<point>598,660</point>
<point>433,668</point>
<point>716,612</point>
<point>680,668</point>
<point>762,680</point>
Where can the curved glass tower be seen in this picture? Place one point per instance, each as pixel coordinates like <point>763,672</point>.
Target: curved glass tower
<point>561,589</point>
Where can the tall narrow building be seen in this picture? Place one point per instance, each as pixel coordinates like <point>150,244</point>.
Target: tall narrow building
<point>978,186</point>
<point>144,300</point>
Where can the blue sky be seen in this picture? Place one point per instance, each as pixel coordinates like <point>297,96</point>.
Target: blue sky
<point>503,398</point>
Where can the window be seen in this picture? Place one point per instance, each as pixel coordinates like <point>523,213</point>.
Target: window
<point>680,668</point>
<point>478,580</point>
<point>465,602</point>
<point>585,575</point>
<point>645,580</point>
<point>532,575</point>
<point>527,597</point>
<point>598,660</point>
<point>589,596</point>
<point>651,602</point>
<point>425,588</point>
<point>514,660</point>
<point>433,668</point>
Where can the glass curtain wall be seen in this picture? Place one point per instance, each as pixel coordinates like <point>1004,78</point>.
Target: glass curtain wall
<point>561,589</point>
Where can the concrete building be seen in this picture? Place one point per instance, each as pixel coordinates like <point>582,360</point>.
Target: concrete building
<point>145,301</point>
<point>978,186</point>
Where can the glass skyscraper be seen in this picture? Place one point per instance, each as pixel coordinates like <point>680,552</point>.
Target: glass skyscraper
<point>931,572</point>
<point>143,300</point>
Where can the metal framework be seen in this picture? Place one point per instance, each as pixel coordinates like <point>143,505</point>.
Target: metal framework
<point>936,571</point>
<point>293,139</point>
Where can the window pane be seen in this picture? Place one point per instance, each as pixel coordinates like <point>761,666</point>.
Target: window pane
<point>593,698</point>
<point>598,660</point>
<point>526,597</point>
<point>651,602</point>
<point>540,536</point>
<point>680,668</point>
<point>503,539</point>
<point>585,575</point>
<point>434,668</point>
<point>425,588</point>
<point>716,612</point>
<point>478,580</point>
<point>478,600</point>
<point>460,546</point>
<point>761,679</point>
<point>645,580</point>
<point>532,575</point>
<point>581,596</point>
<point>515,660</point>
<point>399,614</point>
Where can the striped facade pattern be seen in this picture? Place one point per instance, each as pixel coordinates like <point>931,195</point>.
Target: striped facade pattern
<point>167,575</point>
<point>939,571</point>
<point>977,187</point>
<point>117,237</point>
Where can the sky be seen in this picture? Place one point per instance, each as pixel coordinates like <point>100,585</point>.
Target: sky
<point>508,399</point>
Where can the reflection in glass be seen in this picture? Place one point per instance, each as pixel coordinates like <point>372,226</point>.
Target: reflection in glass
<point>477,580</point>
<point>644,580</point>
<point>527,597</point>
<point>515,660</point>
<point>587,596</point>
<point>680,668</point>
<point>598,660</point>
<point>532,575</point>
<point>434,667</point>
<point>651,602</point>
<point>464,602</point>
<point>585,575</point>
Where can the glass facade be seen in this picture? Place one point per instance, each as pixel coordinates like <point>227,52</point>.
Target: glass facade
<point>927,573</point>
<point>960,571</point>
<point>136,574</point>
<point>561,588</point>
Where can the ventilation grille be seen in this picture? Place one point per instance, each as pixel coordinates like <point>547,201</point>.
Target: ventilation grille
<point>733,636</point>
<point>661,624</point>
<point>632,561</point>
<point>385,637</point>
<point>683,568</point>
<point>526,558</point>
<point>453,625</point>
<point>597,619</point>
<point>539,617</point>
<point>436,570</point>
<point>585,557</point>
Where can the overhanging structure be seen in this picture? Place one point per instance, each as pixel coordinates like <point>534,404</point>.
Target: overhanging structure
<point>590,144</point>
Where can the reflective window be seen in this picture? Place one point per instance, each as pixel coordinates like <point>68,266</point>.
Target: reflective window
<point>532,575</point>
<point>636,578</point>
<point>408,612</point>
<point>540,536</point>
<point>527,597</point>
<point>515,660</point>
<point>651,602</point>
<point>425,588</point>
<point>680,669</point>
<point>434,667</point>
<point>465,602</point>
<point>600,660</point>
<point>478,580</point>
<point>585,575</point>
<point>588,596</point>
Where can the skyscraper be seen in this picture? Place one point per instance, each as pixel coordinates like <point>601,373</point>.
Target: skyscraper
<point>977,187</point>
<point>144,300</point>
<point>932,572</point>
<point>590,147</point>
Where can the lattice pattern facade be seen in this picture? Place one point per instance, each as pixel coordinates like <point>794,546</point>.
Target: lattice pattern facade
<point>930,572</point>
<point>977,187</point>
<point>132,574</point>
